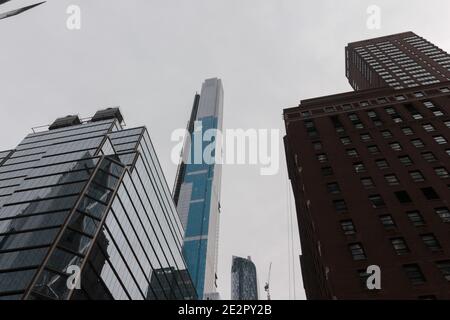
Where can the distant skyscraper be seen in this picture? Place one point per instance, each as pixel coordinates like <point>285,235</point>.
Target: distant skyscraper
<point>197,190</point>
<point>89,195</point>
<point>244,281</point>
<point>370,172</point>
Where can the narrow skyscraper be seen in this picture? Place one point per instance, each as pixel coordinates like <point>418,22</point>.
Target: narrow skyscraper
<point>370,172</point>
<point>197,188</point>
<point>244,280</point>
<point>87,199</point>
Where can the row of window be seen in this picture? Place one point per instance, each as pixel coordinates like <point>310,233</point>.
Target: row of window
<point>387,221</point>
<point>367,103</point>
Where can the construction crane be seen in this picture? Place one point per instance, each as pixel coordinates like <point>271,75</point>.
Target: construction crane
<point>267,285</point>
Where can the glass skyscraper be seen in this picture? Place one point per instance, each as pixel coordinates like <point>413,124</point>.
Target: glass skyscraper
<point>89,197</point>
<point>197,189</point>
<point>244,281</point>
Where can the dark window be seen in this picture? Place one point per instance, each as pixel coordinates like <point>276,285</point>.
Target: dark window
<point>444,267</point>
<point>400,246</point>
<point>395,146</point>
<point>365,137</point>
<point>348,227</point>
<point>403,197</point>
<point>414,274</point>
<point>359,167</point>
<point>363,276</point>
<point>417,176</point>
<point>382,164</point>
<point>346,141</point>
<point>327,171</point>
<point>428,127</point>
<point>429,156</point>
<point>357,251</point>
<point>373,149</point>
<point>322,158</point>
<point>376,201</point>
<point>441,172</point>
<point>431,242</point>
<point>340,206</point>
<point>405,160</point>
<point>387,221</point>
<point>367,183</point>
<point>317,146</point>
<point>386,134</point>
<point>416,218</point>
<point>440,140</point>
<point>417,143</point>
<point>352,153</point>
<point>443,213</point>
<point>408,131</point>
<point>333,188</point>
<point>430,194</point>
<point>391,179</point>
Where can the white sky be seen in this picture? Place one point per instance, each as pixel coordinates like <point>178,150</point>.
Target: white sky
<point>150,57</point>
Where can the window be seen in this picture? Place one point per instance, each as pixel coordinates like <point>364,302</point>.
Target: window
<point>382,164</point>
<point>448,151</point>
<point>317,146</point>
<point>400,246</point>
<point>376,201</point>
<point>403,197</point>
<point>441,172</point>
<point>430,194</point>
<point>359,167</point>
<point>407,131</point>
<point>391,179</point>
<point>444,267</point>
<point>340,206</point>
<point>327,171</point>
<point>373,149</point>
<point>431,242</point>
<point>447,123</point>
<point>440,140</point>
<point>322,158</point>
<point>400,98</point>
<point>428,127</point>
<point>365,137</point>
<point>417,143</point>
<point>429,156</point>
<point>387,221</point>
<point>417,176</point>
<point>414,274</point>
<point>405,160</point>
<point>352,153</point>
<point>445,90</point>
<point>416,218</point>
<point>363,276</point>
<point>395,146</point>
<point>356,121</point>
<point>346,141</point>
<point>386,134</point>
<point>418,94</point>
<point>348,227</point>
<point>357,251</point>
<point>333,188</point>
<point>367,183</point>
<point>443,213</point>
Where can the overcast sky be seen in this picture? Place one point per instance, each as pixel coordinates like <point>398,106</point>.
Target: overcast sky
<point>150,57</point>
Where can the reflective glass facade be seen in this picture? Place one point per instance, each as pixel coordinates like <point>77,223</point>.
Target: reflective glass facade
<point>90,196</point>
<point>197,189</point>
